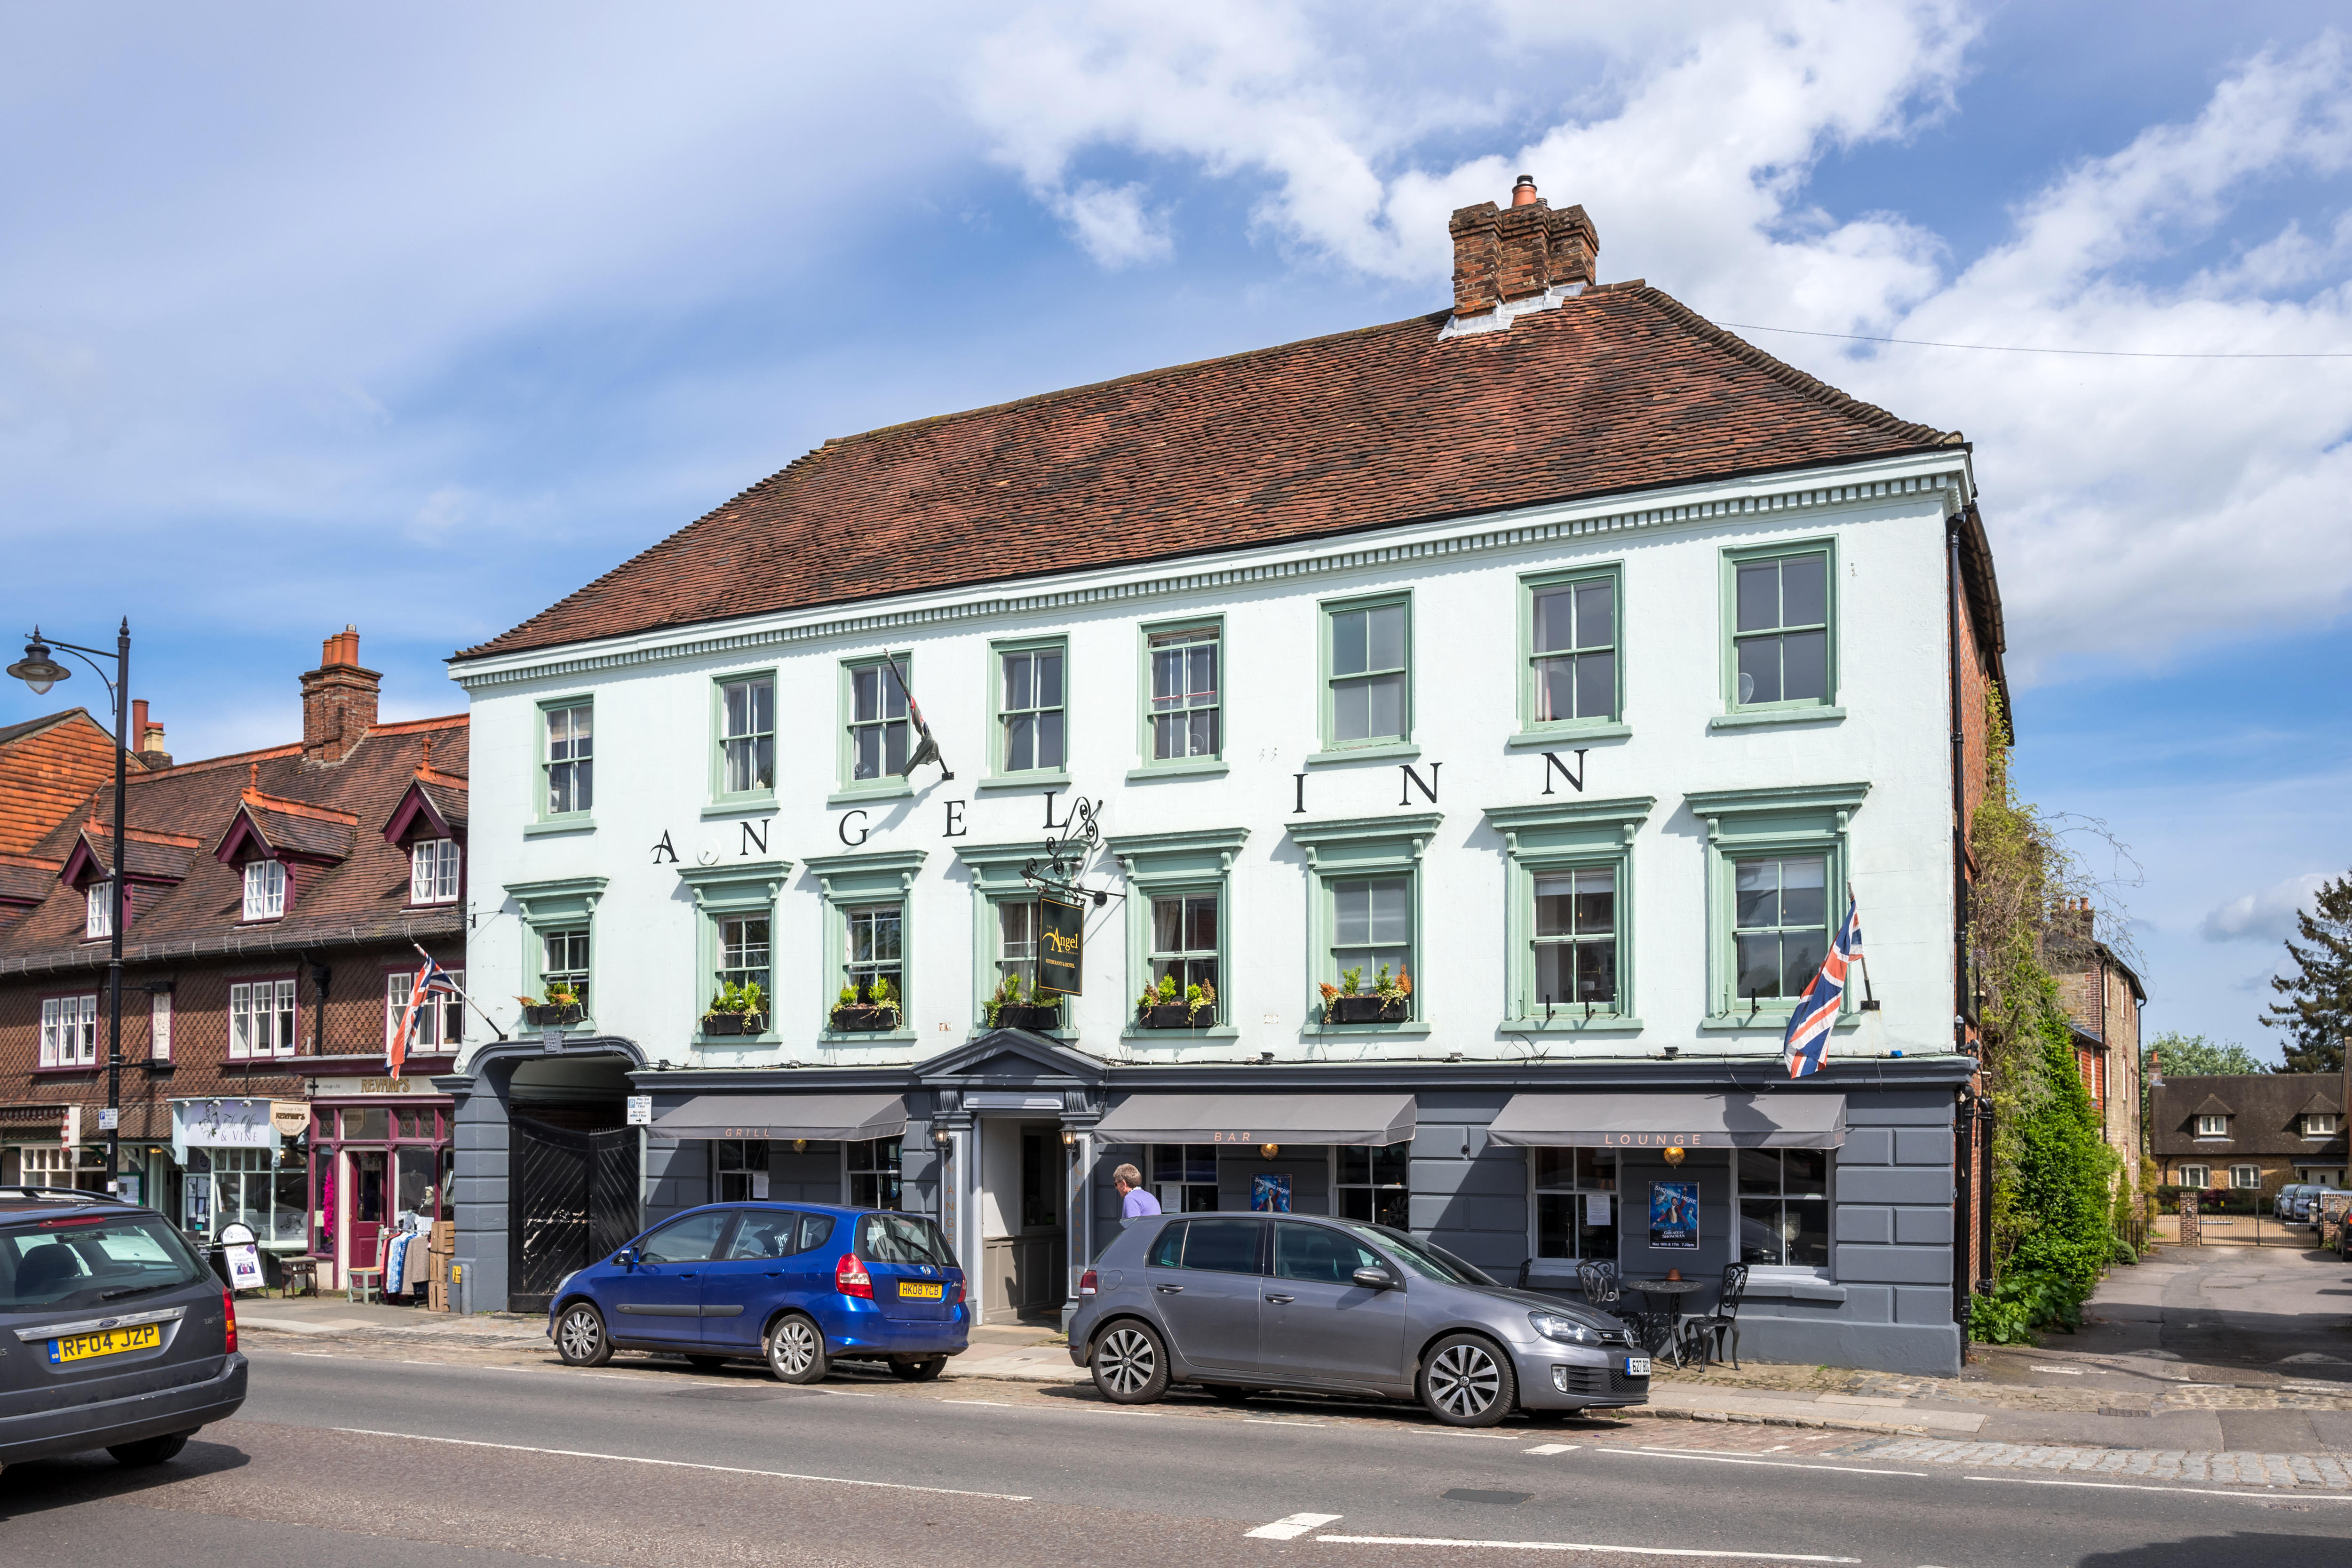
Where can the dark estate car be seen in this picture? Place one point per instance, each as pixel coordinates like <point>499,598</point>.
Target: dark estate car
<point>113,1333</point>
<point>1240,1303</point>
<point>800,1286</point>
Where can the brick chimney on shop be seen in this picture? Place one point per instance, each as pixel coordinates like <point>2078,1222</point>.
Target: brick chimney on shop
<point>338,701</point>
<point>147,738</point>
<point>1506,253</point>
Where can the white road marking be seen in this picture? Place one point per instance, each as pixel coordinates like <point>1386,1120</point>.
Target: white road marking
<point>682,1464</point>
<point>2062,1371</point>
<point>1575,1546</point>
<point>315,1355</point>
<point>1777,1448</point>
<point>2281,1494</point>
<point>1767,1464</point>
<point>1552,1449</point>
<point>1291,1527</point>
<point>1276,1420</point>
<point>1005,1403</point>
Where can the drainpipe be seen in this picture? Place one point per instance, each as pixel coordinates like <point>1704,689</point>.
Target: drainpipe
<point>1964,1162</point>
<point>1960,975</point>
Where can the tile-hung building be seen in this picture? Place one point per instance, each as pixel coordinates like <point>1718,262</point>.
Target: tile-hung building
<point>2103,999</point>
<point>1481,718</point>
<point>48,766</point>
<point>276,902</point>
<point>2250,1133</point>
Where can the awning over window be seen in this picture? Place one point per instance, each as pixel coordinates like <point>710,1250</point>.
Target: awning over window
<point>1255,1119</point>
<point>824,1118</point>
<point>1661,1121</point>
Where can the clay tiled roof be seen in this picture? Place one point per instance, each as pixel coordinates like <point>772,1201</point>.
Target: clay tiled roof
<point>361,894</point>
<point>26,878</point>
<point>152,856</point>
<point>1616,390</point>
<point>48,768</point>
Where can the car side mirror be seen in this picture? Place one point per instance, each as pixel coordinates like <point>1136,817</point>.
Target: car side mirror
<point>1374,1279</point>
<point>627,1258</point>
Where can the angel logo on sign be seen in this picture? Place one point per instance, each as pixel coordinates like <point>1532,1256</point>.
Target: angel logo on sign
<point>1061,956</point>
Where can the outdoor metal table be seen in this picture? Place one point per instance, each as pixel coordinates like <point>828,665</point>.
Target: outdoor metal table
<point>1670,1317</point>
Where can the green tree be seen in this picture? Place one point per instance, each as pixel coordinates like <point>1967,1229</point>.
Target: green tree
<point>2194,1055</point>
<point>2316,1012</point>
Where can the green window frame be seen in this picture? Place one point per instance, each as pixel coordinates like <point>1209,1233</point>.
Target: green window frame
<point>1790,822</point>
<point>743,737</point>
<point>1182,696</point>
<point>1370,852</point>
<point>876,733</point>
<point>858,888</point>
<point>997,887</point>
<point>1779,611</point>
<point>1029,712</point>
<point>1571,654</point>
<point>1364,652</point>
<point>739,894</point>
<point>1175,867</point>
<point>1587,844</point>
<point>564,782</point>
<point>559,928</point>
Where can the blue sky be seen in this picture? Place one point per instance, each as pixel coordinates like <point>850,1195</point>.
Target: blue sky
<point>319,313</point>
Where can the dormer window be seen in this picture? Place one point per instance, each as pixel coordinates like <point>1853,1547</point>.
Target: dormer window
<point>433,871</point>
<point>98,911</point>
<point>2320,1125</point>
<point>265,889</point>
<point>2212,1127</point>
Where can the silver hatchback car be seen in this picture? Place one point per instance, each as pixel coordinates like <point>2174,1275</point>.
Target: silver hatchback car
<point>1242,1304</point>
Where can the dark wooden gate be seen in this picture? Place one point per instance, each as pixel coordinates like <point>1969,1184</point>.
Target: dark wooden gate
<point>573,1199</point>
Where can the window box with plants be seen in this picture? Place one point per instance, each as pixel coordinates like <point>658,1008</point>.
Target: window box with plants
<point>866,1009</point>
<point>737,1010</point>
<point>560,1008</point>
<point>1012,1005</point>
<point>1165,1008</point>
<point>1388,1002</point>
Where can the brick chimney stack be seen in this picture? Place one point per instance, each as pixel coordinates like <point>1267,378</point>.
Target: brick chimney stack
<point>338,701</point>
<point>147,738</point>
<point>1502,254</point>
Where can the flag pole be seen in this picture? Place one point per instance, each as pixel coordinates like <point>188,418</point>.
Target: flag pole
<point>460,990</point>
<point>1861,956</point>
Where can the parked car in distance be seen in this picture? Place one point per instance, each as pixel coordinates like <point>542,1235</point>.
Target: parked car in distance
<point>800,1286</point>
<point>1242,1304</point>
<point>2283,1203</point>
<point>116,1334</point>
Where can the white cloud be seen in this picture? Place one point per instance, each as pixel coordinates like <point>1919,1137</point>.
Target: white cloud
<point>2267,915</point>
<point>2140,506</point>
<point>1113,225</point>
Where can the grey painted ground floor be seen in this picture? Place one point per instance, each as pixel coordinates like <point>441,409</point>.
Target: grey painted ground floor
<point>1838,1190</point>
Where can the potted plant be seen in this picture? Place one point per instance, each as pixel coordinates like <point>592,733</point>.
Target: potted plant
<point>1388,1002</point>
<point>561,1006</point>
<point>1006,1010</point>
<point>866,1009</point>
<point>736,1010</point>
<point>1163,1008</point>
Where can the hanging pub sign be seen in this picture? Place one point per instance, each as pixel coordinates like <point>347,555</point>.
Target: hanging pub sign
<point>1061,945</point>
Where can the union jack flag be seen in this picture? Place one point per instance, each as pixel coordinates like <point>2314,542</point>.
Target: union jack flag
<point>1809,1026</point>
<point>431,980</point>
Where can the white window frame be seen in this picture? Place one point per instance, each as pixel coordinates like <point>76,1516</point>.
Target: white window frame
<point>2212,1126</point>
<point>2201,1174</point>
<point>2245,1178</point>
<point>432,867</point>
<point>98,911</point>
<point>575,768</point>
<point>265,889</point>
<point>263,1016</point>
<point>434,1023</point>
<point>2320,1124</point>
<point>69,1031</point>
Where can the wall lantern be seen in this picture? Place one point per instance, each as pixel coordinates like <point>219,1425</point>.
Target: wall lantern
<point>1069,1137</point>
<point>940,1135</point>
<point>1269,1150</point>
<point>800,1145</point>
<point>1674,1155</point>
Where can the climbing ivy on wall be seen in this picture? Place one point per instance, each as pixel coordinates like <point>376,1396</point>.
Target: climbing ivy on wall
<point>2055,1180</point>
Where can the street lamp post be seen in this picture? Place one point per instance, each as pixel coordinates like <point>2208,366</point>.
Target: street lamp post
<point>39,671</point>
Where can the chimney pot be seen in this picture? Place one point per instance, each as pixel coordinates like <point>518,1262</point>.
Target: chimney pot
<point>1518,252</point>
<point>1523,195</point>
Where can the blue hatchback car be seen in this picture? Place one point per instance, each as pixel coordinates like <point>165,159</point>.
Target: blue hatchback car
<point>798,1285</point>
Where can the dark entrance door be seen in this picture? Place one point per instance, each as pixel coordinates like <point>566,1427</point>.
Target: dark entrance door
<point>574,1197</point>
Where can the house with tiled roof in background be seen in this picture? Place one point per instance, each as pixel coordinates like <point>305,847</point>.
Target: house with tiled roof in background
<point>2250,1133</point>
<point>48,766</point>
<point>1409,774</point>
<point>277,902</point>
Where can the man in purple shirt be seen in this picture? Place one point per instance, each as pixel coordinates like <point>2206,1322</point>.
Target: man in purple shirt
<point>1134,1202</point>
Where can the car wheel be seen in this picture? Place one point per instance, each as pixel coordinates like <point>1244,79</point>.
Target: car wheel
<point>918,1371</point>
<point>1131,1363</point>
<point>150,1450</point>
<point>1228,1392</point>
<point>796,1351</point>
<point>579,1337</point>
<point>1466,1382</point>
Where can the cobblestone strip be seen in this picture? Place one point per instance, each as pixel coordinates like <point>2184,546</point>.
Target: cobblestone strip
<point>2329,1470</point>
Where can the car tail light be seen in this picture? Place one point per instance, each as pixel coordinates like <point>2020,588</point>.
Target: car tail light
<point>1088,1283</point>
<point>229,1317</point>
<point>79,1219</point>
<point>955,1292</point>
<point>849,1277</point>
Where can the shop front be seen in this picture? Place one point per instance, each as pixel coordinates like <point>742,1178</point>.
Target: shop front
<point>381,1161</point>
<point>240,1160</point>
<point>41,1146</point>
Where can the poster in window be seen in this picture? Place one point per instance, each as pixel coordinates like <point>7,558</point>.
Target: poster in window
<point>1270,1192</point>
<point>1674,1216</point>
<point>1061,946</point>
